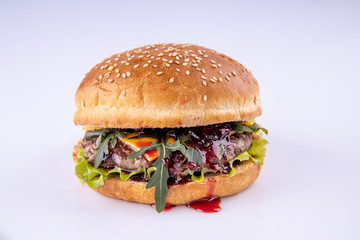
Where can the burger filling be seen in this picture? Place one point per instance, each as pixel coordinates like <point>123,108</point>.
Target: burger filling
<point>177,155</point>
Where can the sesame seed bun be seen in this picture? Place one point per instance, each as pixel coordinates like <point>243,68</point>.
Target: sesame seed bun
<point>219,185</point>
<point>166,85</point>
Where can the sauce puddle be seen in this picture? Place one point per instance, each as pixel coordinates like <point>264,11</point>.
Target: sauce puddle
<point>206,205</point>
<point>167,208</point>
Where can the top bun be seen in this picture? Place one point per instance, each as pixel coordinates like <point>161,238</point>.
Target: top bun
<point>166,85</point>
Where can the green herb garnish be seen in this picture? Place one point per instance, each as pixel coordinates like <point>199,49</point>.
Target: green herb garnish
<point>241,128</point>
<point>161,174</point>
<point>104,136</point>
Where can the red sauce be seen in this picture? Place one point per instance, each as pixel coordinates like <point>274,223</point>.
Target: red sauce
<point>211,190</point>
<point>206,205</point>
<point>167,208</point>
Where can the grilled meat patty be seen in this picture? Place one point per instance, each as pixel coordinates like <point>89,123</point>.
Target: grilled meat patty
<point>207,142</point>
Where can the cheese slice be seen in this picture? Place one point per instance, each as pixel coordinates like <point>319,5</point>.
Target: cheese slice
<point>137,143</point>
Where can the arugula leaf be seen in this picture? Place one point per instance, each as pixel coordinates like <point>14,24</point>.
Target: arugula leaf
<point>176,146</point>
<point>241,128</point>
<point>102,146</point>
<point>184,137</point>
<point>159,180</point>
<point>102,149</point>
<point>97,132</point>
<point>153,145</point>
<point>193,155</point>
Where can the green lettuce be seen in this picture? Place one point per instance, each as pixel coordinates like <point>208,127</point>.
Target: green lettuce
<point>94,177</point>
<point>255,153</point>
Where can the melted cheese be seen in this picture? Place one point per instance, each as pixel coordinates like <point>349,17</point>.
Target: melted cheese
<point>137,143</point>
<point>90,128</point>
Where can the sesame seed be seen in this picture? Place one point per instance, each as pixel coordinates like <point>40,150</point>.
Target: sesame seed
<point>220,79</point>
<point>214,66</point>
<point>205,98</point>
<point>136,65</point>
<point>155,66</point>
<point>116,59</point>
<point>115,64</point>
<point>220,72</point>
<point>195,65</point>
<point>203,70</point>
<point>233,73</point>
<point>212,80</point>
<point>168,65</point>
<point>160,54</point>
<point>187,72</point>
<point>128,74</point>
<point>219,65</point>
<point>145,65</point>
<point>127,64</point>
<point>170,61</point>
<point>123,75</point>
<point>123,62</point>
<point>204,82</point>
<point>159,73</point>
<point>203,77</point>
<point>152,57</point>
<point>100,76</point>
<point>177,58</point>
<point>149,61</point>
<point>171,80</point>
<point>118,75</point>
<point>198,69</point>
<point>110,80</point>
<point>177,62</point>
<point>83,103</point>
<point>229,74</point>
<point>187,60</point>
<point>185,63</point>
<point>212,61</point>
<point>108,61</point>
<point>206,55</point>
<point>227,78</point>
<point>141,56</point>
<point>157,58</point>
<point>178,69</point>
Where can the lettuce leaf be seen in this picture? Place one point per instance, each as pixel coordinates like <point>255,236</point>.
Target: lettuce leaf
<point>255,153</point>
<point>94,177</point>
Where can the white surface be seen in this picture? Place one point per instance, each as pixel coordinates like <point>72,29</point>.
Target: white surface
<point>305,56</point>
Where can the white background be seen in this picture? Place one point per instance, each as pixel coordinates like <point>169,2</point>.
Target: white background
<point>305,56</point>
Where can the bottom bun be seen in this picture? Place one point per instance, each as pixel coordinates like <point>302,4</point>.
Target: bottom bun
<point>213,185</point>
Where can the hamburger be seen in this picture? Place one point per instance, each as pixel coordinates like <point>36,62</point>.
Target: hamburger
<point>168,124</point>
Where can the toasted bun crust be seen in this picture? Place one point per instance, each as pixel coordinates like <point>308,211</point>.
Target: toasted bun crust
<point>218,185</point>
<point>166,85</point>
